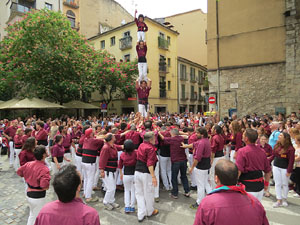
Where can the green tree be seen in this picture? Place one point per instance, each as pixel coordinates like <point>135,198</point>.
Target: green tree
<point>43,56</point>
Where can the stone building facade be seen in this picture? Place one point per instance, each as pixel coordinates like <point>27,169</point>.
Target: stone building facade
<point>259,57</point>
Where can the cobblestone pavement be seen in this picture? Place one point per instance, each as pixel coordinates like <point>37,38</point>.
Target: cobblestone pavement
<point>14,208</point>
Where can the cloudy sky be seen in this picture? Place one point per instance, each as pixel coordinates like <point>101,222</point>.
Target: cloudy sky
<point>162,8</point>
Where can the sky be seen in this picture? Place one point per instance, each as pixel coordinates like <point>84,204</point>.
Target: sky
<point>162,8</point>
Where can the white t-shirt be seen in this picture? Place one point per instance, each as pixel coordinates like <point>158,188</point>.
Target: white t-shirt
<point>297,153</point>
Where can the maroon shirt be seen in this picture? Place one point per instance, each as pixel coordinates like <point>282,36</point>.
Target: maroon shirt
<point>93,144</point>
<point>11,131</point>
<point>127,159</point>
<point>143,94</point>
<point>176,152</point>
<point>18,141</point>
<point>202,149</point>
<point>192,139</point>
<point>67,141</point>
<point>252,158</point>
<point>24,138</point>
<point>141,52</point>
<point>71,213</point>
<point>229,208</point>
<point>289,155</point>
<point>57,151</point>
<point>134,136</point>
<point>119,138</point>
<point>217,143</point>
<point>108,152</point>
<point>25,157</point>
<point>147,153</point>
<point>237,140</point>
<point>141,25</point>
<point>268,150</point>
<point>36,174</point>
<point>41,135</point>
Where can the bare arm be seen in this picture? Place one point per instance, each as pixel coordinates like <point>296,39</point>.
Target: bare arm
<point>149,83</point>
<point>186,146</point>
<point>137,85</point>
<point>151,170</point>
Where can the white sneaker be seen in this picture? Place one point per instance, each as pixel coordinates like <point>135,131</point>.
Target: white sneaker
<point>296,195</point>
<point>115,205</point>
<point>277,204</point>
<point>284,203</point>
<point>108,207</point>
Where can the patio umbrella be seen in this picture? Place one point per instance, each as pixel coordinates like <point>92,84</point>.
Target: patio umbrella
<point>33,103</point>
<point>79,105</point>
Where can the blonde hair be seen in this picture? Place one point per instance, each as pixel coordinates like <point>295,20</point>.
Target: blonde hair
<point>294,131</point>
<point>19,130</point>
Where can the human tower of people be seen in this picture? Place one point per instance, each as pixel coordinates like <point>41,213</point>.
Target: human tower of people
<point>229,161</point>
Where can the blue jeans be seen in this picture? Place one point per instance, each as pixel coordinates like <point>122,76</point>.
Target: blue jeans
<point>182,167</point>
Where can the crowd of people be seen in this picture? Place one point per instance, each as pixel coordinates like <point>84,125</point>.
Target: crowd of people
<point>234,156</point>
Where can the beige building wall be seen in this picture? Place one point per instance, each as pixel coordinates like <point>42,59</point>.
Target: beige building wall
<point>101,15</point>
<point>191,41</point>
<point>251,32</point>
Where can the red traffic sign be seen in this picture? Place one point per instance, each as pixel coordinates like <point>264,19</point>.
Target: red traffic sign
<point>211,100</point>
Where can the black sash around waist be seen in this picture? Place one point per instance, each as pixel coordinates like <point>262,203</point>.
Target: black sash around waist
<point>219,154</point>
<point>111,165</point>
<point>36,194</point>
<point>281,162</point>
<point>32,187</point>
<point>142,59</point>
<point>248,179</point>
<point>142,167</point>
<point>18,146</point>
<point>67,149</point>
<point>60,159</point>
<point>42,142</point>
<point>204,164</point>
<point>143,101</point>
<point>89,156</point>
<point>129,170</point>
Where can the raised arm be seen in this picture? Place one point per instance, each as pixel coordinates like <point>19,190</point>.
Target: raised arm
<point>149,83</point>
<point>137,85</point>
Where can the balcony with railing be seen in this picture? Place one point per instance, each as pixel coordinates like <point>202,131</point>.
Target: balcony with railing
<point>71,3</point>
<point>184,96</point>
<point>194,96</point>
<point>201,98</point>
<point>193,78</point>
<point>163,43</point>
<point>125,43</point>
<point>200,80</point>
<point>162,93</point>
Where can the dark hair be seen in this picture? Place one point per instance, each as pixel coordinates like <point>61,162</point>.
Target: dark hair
<point>254,124</point>
<point>227,172</point>
<point>148,124</point>
<point>218,129</point>
<point>141,15</point>
<point>251,134</point>
<point>66,182</point>
<point>109,137</point>
<point>60,128</point>
<point>29,144</point>
<point>58,138</point>
<point>27,130</point>
<point>39,152</point>
<point>128,146</point>
<point>85,128</point>
<point>108,128</point>
<point>40,123</point>
<point>123,126</point>
<point>287,143</point>
<point>203,132</point>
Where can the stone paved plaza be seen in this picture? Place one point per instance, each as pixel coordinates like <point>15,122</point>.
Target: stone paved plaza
<point>14,208</point>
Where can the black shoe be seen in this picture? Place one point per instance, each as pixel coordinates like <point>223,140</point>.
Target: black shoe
<point>141,220</point>
<point>272,183</point>
<point>193,188</point>
<point>194,206</point>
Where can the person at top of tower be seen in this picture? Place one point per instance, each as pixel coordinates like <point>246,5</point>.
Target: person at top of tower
<point>142,27</point>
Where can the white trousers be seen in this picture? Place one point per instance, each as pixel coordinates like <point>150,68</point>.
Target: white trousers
<point>89,170</point>
<point>259,195</point>
<point>17,160</point>
<point>73,154</point>
<point>165,171</point>
<point>119,181</point>
<point>54,168</point>
<point>35,206</point>
<point>97,173</point>
<point>67,156</point>
<point>141,36</point>
<point>281,182</point>
<point>156,173</point>
<point>142,110</point>
<point>144,192</point>
<point>191,161</point>
<point>129,191</point>
<point>110,184</point>
<point>12,153</point>
<point>202,182</point>
<point>212,172</point>
<point>78,164</point>
<point>227,149</point>
<point>142,71</point>
<point>232,153</point>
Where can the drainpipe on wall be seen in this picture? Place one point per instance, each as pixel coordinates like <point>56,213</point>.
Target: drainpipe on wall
<point>218,59</point>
